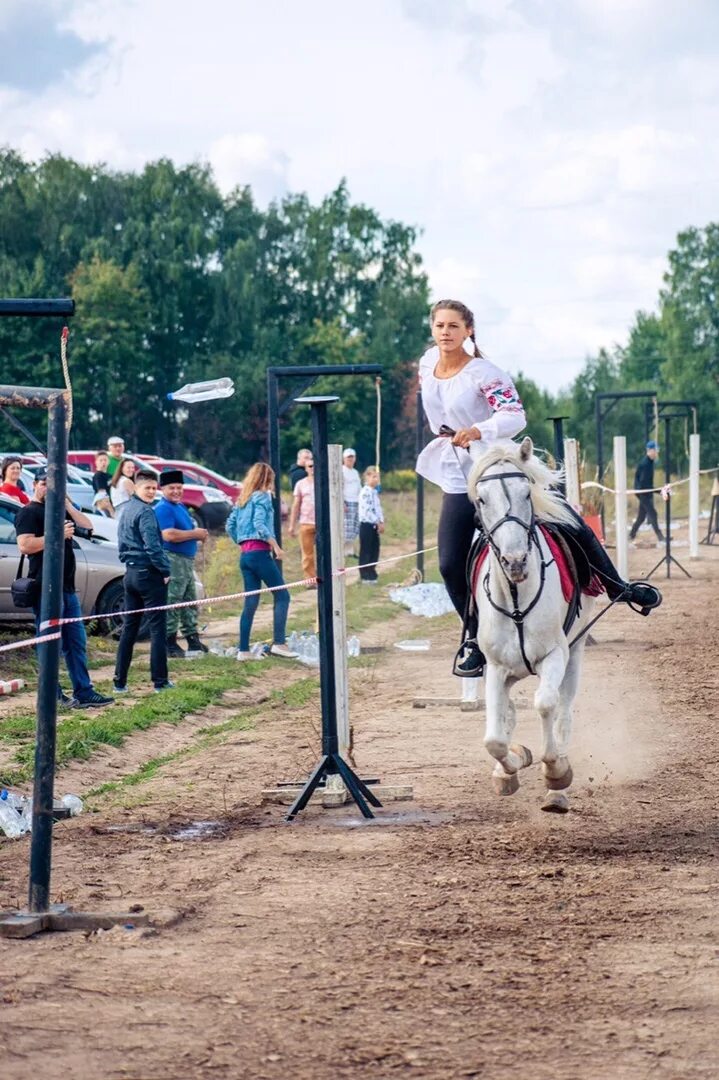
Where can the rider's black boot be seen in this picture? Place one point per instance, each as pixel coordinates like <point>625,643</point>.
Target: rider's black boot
<point>633,592</point>
<point>469,663</point>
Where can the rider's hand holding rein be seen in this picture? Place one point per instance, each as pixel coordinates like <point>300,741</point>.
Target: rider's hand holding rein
<point>465,436</point>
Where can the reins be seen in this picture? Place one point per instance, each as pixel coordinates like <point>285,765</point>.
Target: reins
<point>518,615</point>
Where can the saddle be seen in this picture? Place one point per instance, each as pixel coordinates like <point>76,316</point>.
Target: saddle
<point>575,575</point>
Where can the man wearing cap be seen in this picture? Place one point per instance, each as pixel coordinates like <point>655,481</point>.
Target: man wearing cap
<point>147,573</point>
<point>180,538</point>
<point>643,479</point>
<point>115,451</point>
<point>30,529</point>
<point>352,488</point>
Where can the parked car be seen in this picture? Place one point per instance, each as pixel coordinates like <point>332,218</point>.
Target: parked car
<point>98,578</point>
<point>197,474</point>
<point>209,506</point>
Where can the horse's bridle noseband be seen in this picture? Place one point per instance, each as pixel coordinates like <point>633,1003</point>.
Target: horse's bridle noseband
<point>518,615</point>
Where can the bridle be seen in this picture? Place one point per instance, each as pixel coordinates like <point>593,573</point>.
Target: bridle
<point>518,615</point>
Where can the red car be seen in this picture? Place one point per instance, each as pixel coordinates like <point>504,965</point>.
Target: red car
<point>196,474</point>
<point>209,506</point>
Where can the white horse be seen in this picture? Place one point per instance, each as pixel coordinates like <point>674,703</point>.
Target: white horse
<point>521,615</point>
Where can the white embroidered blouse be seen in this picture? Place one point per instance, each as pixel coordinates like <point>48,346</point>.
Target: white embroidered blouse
<point>370,508</point>
<point>481,395</point>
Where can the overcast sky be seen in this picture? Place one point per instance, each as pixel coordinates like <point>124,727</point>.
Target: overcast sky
<point>549,150</point>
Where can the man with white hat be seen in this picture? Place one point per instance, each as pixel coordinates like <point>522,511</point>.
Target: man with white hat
<point>115,452</point>
<point>352,488</point>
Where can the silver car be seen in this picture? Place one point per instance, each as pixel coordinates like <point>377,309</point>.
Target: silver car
<point>98,578</point>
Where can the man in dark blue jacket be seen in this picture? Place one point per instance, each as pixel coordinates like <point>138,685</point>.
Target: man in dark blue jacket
<point>644,479</point>
<point>148,571</point>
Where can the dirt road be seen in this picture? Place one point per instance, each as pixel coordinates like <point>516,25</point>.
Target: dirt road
<point>458,935</point>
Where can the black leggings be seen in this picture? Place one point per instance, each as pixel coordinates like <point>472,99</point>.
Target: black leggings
<point>454,538</point>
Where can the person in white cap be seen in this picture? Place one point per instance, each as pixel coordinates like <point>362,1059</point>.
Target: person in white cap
<point>352,488</point>
<point>115,453</point>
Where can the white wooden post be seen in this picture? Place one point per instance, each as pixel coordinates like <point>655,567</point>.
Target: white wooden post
<point>339,621</point>
<point>694,445</point>
<point>571,473</point>
<point>620,505</point>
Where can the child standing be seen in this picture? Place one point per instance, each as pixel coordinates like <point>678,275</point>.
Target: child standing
<point>371,524</point>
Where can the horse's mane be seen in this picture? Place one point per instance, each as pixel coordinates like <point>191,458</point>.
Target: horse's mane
<point>548,503</point>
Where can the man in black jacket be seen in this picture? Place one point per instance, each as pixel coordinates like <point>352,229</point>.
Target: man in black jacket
<point>30,528</point>
<point>298,470</point>
<point>643,479</point>
<point>139,541</point>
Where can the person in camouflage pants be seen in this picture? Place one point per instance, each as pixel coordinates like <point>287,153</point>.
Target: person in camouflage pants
<point>180,539</point>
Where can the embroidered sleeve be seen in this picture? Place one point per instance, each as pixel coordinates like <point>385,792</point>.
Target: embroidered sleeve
<point>500,393</point>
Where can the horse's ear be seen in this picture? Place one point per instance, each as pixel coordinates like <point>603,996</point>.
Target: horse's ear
<point>526,448</point>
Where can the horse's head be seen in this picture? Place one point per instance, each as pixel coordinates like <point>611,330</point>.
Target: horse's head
<point>500,486</point>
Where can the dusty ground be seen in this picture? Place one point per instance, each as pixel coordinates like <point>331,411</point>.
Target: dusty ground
<point>458,935</point>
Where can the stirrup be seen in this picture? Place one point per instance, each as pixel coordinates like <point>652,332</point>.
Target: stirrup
<point>645,608</point>
<point>469,661</point>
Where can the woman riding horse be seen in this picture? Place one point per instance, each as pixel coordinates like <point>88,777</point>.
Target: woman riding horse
<point>465,394</point>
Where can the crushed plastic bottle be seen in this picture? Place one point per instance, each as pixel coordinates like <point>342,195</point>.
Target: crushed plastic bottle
<point>429,600</point>
<point>217,648</point>
<point>353,646</point>
<point>73,803</point>
<point>260,649</point>
<point>14,821</point>
<point>203,391</point>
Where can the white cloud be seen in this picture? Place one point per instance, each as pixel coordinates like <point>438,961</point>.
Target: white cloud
<point>249,158</point>
<point>549,152</point>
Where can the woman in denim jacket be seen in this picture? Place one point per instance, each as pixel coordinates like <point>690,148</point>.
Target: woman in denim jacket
<point>251,525</point>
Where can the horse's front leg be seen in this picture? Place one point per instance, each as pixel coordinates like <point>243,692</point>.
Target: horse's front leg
<point>501,719</point>
<point>547,701</point>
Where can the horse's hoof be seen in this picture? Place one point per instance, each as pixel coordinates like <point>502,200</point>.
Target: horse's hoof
<point>556,803</point>
<point>559,783</point>
<point>523,753</point>
<point>507,784</point>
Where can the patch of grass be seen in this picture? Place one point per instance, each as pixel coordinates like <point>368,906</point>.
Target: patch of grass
<point>79,734</point>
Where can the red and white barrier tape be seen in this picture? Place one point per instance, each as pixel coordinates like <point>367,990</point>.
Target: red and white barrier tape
<point>50,623</point>
<point>645,491</point>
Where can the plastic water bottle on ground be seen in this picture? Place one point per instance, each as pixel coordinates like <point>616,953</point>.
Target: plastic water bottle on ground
<point>217,648</point>
<point>203,391</point>
<point>73,803</point>
<point>13,821</point>
<point>353,646</point>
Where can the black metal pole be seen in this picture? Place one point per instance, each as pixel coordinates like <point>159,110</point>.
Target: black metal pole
<point>38,308</point>
<point>419,446</point>
<point>273,446</point>
<point>558,425</point>
<point>49,658</point>
<point>600,450</point>
<point>331,763</point>
<point>668,503</point>
<point>330,741</point>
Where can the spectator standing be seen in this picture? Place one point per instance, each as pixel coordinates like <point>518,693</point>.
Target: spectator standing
<point>251,525</point>
<point>299,469</point>
<point>115,453</point>
<point>352,488</point>
<point>303,514</point>
<point>122,486</point>
<point>180,538</point>
<point>644,478</point>
<point>140,548</point>
<point>30,529</point>
<point>101,477</point>
<point>371,525</point>
<point>10,482</point>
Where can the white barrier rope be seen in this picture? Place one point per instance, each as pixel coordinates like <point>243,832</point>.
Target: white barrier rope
<point>644,491</point>
<point>51,623</point>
